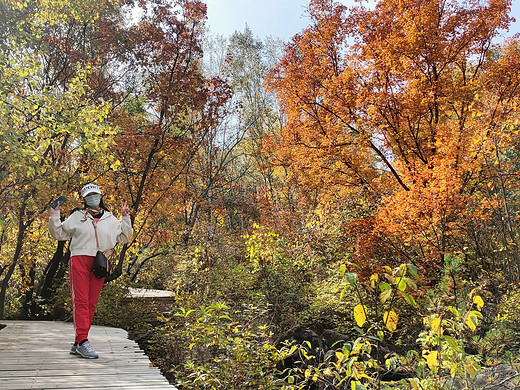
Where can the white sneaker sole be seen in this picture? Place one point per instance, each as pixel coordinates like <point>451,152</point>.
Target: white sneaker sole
<point>86,356</point>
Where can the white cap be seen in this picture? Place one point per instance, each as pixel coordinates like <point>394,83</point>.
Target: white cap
<point>90,188</point>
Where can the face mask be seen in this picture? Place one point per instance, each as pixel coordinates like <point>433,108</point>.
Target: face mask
<point>93,200</point>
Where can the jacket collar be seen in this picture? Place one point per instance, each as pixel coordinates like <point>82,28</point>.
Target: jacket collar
<point>87,215</point>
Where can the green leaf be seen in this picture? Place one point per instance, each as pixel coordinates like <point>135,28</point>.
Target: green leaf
<point>470,370</point>
<point>415,383</point>
<point>383,286</point>
<point>410,283</point>
<point>452,342</point>
<point>472,320</point>
<point>409,299</point>
<point>413,270</point>
<point>454,311</point>
<point>359,386</point>
<point>351,278</point>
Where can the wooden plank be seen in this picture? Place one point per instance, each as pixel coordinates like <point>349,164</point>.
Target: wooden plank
<point>72,371</point>
<point>74,385</point>
<point>149,293</point>
<point>35,355</point>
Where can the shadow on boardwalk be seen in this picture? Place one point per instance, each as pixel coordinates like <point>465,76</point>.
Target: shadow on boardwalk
<point>35,355</point>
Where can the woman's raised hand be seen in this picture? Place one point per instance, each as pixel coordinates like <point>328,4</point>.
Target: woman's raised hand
<point>125,210</point>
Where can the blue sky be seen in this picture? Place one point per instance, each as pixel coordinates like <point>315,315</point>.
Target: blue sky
<point>278,18</point>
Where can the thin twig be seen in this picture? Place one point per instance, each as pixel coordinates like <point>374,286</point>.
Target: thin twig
<point>501,383</point>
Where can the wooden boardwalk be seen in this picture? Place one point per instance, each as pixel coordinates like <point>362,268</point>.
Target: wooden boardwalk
<point>35,355</point>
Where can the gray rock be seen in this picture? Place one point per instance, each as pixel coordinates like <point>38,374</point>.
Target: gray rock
<point>500,377</point>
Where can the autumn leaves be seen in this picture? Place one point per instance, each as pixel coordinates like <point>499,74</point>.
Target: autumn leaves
<point>406,102</point>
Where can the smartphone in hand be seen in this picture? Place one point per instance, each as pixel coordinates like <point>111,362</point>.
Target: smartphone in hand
<point>59,201</point>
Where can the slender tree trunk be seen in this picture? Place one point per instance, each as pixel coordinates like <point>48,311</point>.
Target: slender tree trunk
<point>50,275</point>
<point>510,242</point>
<point>3,287</point>
<point>28,304</point>
<point>22,227</point>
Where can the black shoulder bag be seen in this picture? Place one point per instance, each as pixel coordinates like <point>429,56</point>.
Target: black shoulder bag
<point>101,267</point>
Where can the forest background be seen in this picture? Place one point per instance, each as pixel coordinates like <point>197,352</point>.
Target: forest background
<point>359,181</point>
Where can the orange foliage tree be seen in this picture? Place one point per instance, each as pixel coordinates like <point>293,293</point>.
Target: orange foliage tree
<point>399,105</point>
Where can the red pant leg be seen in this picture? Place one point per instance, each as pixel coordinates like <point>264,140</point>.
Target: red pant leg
<point>96,285</point>
<point>85,289</point>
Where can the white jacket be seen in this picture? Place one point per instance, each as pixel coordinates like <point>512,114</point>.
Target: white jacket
<point>80,230</point>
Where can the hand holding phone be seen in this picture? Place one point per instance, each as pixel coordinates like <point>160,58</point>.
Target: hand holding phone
<point>58,201</point>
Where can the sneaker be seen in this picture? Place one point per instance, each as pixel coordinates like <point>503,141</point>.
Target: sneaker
<point>74,349</point>
<point>86,351</point>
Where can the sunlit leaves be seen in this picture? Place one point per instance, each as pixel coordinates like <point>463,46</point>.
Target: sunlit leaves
<point>60,11</point>
<point>435,324</point>
<point>472,318</point>
<point>477,299</point>
<point>41,124</point>
<point>390,320</point>
<point>385,295</point>
<point>431,359</point>
<point>360,315</point>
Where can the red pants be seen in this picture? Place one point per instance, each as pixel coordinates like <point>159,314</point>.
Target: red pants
<point>84,290</point>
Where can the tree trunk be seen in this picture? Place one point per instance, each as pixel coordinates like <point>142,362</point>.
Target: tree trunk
<point>45,292</point>
<point>22,227</point>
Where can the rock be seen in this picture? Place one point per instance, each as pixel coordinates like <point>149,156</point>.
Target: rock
<point>333,339</point>
<point>397,374</point>
<point>301,334</point>
<point>500,377</point>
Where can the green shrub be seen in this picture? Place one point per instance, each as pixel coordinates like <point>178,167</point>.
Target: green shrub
<point>502,340</point>
<point>281,274</point>
<point>208,349</point>
<point>115,309</point>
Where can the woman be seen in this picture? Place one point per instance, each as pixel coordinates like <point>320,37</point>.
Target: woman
<point>79,228</point>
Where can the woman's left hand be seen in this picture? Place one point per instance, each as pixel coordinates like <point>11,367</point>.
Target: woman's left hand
<point>125,210</point>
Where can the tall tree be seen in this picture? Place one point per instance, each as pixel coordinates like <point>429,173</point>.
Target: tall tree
<point>48,122</point>
<point>387,99</point>
<point>173,113</point>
